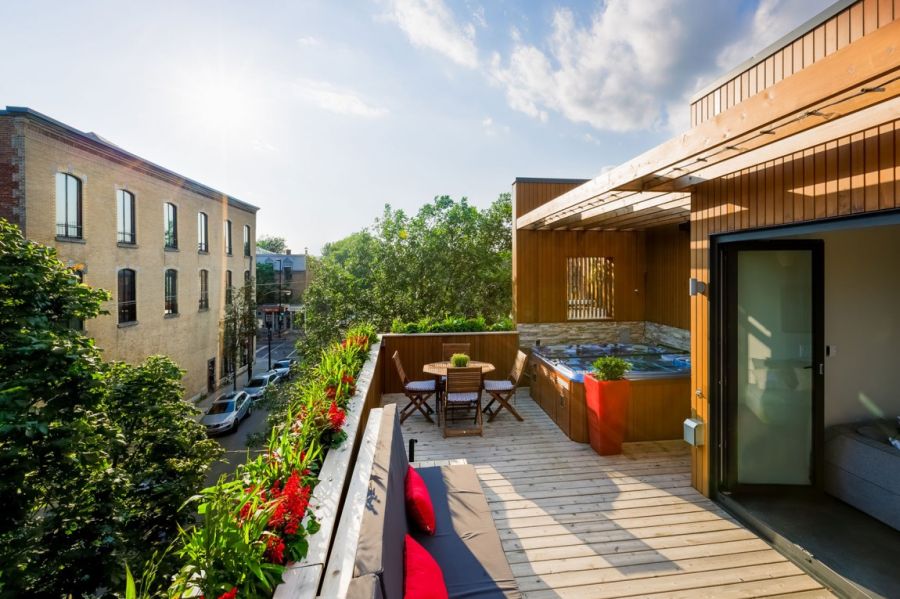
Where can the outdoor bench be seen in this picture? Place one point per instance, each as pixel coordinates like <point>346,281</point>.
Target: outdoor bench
<point>368,552</point>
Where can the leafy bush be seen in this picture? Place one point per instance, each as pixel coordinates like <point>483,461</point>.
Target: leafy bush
<point>451,324</point>
<point>257,520</point>
<point>459,360</point>
<point>610,368</point>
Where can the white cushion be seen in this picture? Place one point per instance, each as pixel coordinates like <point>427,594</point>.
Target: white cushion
<point>420,386</point>
<point>498,385</point>
<point>462,397</point>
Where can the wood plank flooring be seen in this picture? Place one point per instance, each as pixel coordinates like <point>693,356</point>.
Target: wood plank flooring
<point>578,525</point>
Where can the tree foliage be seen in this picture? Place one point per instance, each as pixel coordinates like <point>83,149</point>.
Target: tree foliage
<point>272,243</point>
<point>239,327</point>
<point>95,458</point>
<point>449,259</point>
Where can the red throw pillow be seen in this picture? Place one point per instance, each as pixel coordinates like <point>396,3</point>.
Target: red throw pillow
<point>418,502</point>
<point>422,578</point>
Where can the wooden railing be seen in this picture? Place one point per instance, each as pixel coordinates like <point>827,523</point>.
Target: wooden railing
<point>302,579</point>
<point>416,350</point>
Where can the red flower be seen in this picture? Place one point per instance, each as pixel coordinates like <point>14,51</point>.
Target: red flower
<point>347,379</point>
<point>230,594</point>
<point>330,392</point>
<point>336,416</point>
<point>275,549</point>
<point>292,504</point>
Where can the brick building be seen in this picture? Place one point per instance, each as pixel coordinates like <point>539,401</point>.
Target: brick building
<point>167,248</point>
<point>290,279</point>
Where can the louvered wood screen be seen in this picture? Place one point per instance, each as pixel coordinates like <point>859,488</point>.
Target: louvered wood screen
<point>590,288</point>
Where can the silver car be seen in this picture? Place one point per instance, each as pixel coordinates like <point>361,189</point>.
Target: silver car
<point>258,384</point>
<point>283,368</point>
<point>226,413</point>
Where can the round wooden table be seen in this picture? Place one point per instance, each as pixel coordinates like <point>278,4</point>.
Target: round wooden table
<point>440,368</point>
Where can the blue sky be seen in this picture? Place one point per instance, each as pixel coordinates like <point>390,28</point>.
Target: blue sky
<point>320,111</point>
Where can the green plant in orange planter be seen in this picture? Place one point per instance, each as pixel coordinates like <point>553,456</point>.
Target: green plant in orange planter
<point>459,360</point>
<point>607,394</point>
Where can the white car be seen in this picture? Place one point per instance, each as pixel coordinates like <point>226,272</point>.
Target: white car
<point>258,384</point>
<point>283,368</point>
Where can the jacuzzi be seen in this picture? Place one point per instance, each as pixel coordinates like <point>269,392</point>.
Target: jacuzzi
<point>660,387</point>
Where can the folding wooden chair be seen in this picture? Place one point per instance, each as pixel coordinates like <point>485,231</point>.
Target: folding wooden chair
<point>502,391</point>
<point>418,393</point>
<point>463,393</point>
<point>448,349</point>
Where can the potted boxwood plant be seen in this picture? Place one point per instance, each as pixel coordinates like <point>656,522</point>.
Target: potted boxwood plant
<point>459,360</point>
<point>607,394</point>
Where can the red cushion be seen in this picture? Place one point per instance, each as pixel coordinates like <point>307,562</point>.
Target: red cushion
<point>422,577</point>
<point>418,502</point>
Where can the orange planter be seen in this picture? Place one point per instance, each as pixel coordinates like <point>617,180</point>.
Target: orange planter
<point>607,410</point>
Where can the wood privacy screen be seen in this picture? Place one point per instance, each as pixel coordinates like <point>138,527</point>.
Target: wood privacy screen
<point>591,285</point>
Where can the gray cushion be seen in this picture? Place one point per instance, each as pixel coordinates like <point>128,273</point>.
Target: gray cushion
<point>465,544</point>
<point>498,385</point>
<point>383,527</point>
<point>420,386</point>
<point>367,586</point>
<point>461,397</point>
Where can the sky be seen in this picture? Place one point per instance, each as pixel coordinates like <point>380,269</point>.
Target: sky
<point>320,112</point>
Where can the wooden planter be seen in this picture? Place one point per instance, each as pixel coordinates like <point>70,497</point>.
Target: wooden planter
<point>607,413</point>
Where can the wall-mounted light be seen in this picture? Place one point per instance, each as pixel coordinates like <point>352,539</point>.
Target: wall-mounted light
<point>697,287</point>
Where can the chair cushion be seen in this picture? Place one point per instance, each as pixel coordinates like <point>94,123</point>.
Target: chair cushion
<point>462,397</point>
<point>420,386</point>
<point>498,385</point>
<point>419,509</point>
<point>423,577</point>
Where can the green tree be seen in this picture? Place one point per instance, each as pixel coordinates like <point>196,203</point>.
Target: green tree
<point>95,458</point>
<point>272,243</point>
<point>239,327</point>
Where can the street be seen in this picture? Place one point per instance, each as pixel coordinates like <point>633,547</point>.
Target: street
<point>235,444</point>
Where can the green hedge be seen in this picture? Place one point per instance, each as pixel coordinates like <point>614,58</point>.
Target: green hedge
<point>452,324</point>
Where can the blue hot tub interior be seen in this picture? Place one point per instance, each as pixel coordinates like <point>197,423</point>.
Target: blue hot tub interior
<point>647,361</point>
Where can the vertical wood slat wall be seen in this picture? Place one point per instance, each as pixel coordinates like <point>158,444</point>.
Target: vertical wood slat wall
<point>668,271</point>
<point>857,20</point>
<point>855,174</point>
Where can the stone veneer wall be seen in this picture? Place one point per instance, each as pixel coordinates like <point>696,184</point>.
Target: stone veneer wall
<point>663,334</point>
<point>551,333</point>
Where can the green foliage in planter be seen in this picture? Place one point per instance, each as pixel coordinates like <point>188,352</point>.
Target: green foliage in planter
<point>451,325</point>
<point>459,360</point>
<point>610,368</point>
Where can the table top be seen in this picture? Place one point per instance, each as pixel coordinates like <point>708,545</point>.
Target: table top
<point>440,368</point>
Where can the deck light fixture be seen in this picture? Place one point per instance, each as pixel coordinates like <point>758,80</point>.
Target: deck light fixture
<point>868,90</point>
<point>696,287</point>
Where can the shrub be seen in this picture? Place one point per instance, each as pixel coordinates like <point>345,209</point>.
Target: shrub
<point>610,368</point>
<point>451,324</point>
<point>459,360</point>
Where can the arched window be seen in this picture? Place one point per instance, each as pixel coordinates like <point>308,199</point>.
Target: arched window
<point>125,205</point>
<point>171,291</point>
<point>228,237</point>
<point>68,206</point>
<point>170,225</point>
<point>202,232</point>
<point>127,296</point>
<point>247,240</point>
<point>204,289</point>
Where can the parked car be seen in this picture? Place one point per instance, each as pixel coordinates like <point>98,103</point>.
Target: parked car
<point>258,384</point>
<point>226,413</point>
<point>283,368</point>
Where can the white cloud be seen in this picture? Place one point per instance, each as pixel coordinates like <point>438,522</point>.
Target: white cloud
<point>492,129</point>
<point>633,65</point>
<point>309,40</point>
<point>341,101</point>
<point>430,24</point>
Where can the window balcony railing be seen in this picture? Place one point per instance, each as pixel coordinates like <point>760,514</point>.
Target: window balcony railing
<point>68,230</point>
<point>171,305</point>
<point>126,237</point>
<point>127,311</point>
<point>204,302</point>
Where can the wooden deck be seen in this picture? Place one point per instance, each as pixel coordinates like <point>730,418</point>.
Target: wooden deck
<point>575,524</point>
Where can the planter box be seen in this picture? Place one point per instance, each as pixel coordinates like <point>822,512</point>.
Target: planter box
<point>607,413</point>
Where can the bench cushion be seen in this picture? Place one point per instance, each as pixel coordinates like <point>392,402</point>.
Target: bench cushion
<point>383,526</point>
<point>466,543</point>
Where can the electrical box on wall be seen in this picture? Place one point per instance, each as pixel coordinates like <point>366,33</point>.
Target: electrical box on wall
<point>693,431</point>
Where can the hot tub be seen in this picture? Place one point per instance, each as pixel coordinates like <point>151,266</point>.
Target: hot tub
<point>660,382</point>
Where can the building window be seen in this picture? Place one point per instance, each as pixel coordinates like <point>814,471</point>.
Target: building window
<point>127,296</point>
<point>68,206</point>
<point>228,288</point>
<point>202,232</point>
<point>228,237</point>
<point>171,291</point>
<point>204,289</point>
<point>247,240</point>
<point>288,273</point>
<point>591,285</point>
<point>246,277</point>
<point>125,203</point>
<point>170,225</point>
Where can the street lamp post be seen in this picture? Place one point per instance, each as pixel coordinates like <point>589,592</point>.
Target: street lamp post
<point>280,274</point>
<point>269,331</point>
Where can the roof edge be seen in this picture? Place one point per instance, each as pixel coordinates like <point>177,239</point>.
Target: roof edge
<point>96,140</point>
<point>547,180</point>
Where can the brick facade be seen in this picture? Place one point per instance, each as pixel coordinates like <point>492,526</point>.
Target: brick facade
<point>12,168</point>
